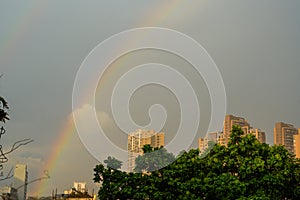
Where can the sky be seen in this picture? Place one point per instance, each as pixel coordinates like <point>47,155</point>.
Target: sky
<point>255,45</point>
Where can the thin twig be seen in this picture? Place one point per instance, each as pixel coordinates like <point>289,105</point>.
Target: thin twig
<point>17,144</point>
<point>4,159</point>
<point>9,175</point>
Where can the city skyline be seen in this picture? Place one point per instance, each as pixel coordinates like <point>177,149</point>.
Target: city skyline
<point>284,134</point>
<point>43,44</point>
<point>222,136</point>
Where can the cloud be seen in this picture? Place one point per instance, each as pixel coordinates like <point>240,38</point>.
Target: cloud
<point>30,156</point>
<point>85,115</point>
<point>105,121</point>
<point>99,143</point>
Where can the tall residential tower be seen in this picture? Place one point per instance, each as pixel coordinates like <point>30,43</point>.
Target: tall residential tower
<point>136,142</point>
<point>284,135</point>
<point>297,144</point>
<point>231,120</point>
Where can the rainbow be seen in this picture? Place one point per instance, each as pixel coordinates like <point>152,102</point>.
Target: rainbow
<point>58,146</point>
<point>161,13</point>
<point>19,28</point>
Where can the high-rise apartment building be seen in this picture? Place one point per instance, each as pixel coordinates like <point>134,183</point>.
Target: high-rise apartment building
<point>231,120</point>
<point>203,142</point>
<point>222,138</point>
<point>137,140</point>
<point>297,144</point>
<point>284,135</point>
<point>260,135</point>
<point>20,180</point>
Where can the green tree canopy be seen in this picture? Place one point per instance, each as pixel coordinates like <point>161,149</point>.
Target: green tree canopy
<point>153,159</point>
<point>113,163</point>
<point>245,169</point>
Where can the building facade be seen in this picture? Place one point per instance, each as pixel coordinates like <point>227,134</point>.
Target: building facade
<point>212,136</point>
<point>284,135</point>
<point>20,180</point>
<point>297,144</point>
<point>222,138</point>
<point>80,186</point>
<point>136,142</point>
<point>9,193</point>
<point>260,135</point>
<point>231,120</point>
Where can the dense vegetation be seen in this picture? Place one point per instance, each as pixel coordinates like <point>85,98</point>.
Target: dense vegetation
<point>3,110</point>
<point>3,118</point>
<point>246,169</point>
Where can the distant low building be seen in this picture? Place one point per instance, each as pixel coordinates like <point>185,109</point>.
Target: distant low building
<point>83,198</point>
<point>9,193</point>
<point>79,191</point>
<point>80,186</point>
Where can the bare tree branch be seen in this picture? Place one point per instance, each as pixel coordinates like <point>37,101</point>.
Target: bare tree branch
<point>4,159</point>
<point>3,118</point>
<point>8,176</point>
<point>19,143</point>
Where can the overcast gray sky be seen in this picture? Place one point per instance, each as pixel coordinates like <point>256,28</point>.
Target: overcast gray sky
<point>255,45</point>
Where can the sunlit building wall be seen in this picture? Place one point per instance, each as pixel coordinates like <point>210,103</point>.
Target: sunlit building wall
<point>136,142</point>
<point>260,135</point>
<point>231,120</point>
<point>284,135</point>
<point>20,180</point>
<point>212,136</point>
<point>297,144</point>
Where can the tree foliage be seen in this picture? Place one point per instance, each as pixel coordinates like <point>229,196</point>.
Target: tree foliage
<point>153,159</point>
<point>245,169</point>
<point>113,163</point>
<point>3,154</point>
<point>3,110</point>
<point>3,118</point>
